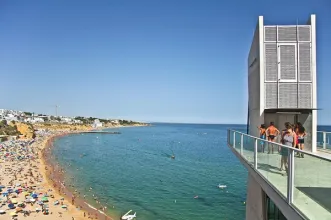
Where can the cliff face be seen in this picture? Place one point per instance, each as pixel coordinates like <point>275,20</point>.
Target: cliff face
<point>63,127</point>
<point>26,130</point>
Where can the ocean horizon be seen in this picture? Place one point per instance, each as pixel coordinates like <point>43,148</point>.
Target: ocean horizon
<point>134,171</point>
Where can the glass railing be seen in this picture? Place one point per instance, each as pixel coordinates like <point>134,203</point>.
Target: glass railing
<point>324,140</point>
<point>302,178</point>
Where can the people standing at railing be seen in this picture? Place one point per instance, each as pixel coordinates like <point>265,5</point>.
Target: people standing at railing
<point>287,138</point>
<point>301,133</point>
<point>262,130</point>
<point>272,132</point>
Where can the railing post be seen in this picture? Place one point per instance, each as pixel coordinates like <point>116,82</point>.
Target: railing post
<point>228,137</point>
<point>234,139</point>
<point>324,140</point>
<point>241,144</point>
<point>290,177</point>
<point>255,153</point>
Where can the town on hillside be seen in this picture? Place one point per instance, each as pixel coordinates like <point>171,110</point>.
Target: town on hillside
<point>20,124</point>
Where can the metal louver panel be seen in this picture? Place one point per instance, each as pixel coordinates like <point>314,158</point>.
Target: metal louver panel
<point>287,95</point>
<point>305,95</point>
<point>287,65</point>
<point>304,62</point>
<point>287,33</point>
<point>270,94</point>
<point>304,33</point>
<point>271,62</point>
<point>270,33</point>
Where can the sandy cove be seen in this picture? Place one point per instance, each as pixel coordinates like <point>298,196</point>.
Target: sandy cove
<point>29,176</point>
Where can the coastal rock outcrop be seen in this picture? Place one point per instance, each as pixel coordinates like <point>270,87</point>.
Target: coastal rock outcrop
<point>26,130</point>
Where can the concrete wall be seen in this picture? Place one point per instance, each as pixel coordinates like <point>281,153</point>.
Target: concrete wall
<point>312,22</point>
<point>255,80</point>
<point>255,205</point>
<point>306,120</point>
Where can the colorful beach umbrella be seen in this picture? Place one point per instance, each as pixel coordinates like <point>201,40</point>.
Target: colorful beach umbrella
<point>34,196</point>
<point>44,199</point>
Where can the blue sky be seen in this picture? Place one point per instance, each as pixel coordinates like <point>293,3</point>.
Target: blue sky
<point>175,61</point>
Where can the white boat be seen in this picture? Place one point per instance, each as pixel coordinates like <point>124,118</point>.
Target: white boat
<point>221,186</point>
<point>126,216</point>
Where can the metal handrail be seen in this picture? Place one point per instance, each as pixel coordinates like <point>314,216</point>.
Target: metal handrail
<point>328,132</point>
<point>292,148</point>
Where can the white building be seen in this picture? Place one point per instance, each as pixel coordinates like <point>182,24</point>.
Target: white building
<point>77,121</point>
<point>96,123</point>
<point>66,120</point>
<point>282,77</point>
<point>34,120</point>
<point>282,88</point>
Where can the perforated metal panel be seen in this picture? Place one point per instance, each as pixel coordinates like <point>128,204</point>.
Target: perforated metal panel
<point>287,62</point>
<point>271,94</point>
<point>287,95</point>
<point>305,95</point>
<point>270,33</point>
<point>287,33</point>
<point>304,33</point>
<point>271,62</point>
<point>304,71</point>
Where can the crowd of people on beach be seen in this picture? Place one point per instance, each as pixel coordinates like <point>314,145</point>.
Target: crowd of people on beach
<point>23,188</point>
<point>292,135</point>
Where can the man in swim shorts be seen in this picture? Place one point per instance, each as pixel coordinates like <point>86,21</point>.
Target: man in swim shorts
<point>272,132</point>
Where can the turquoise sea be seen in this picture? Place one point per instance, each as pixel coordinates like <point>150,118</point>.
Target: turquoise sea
<point>134,170</point>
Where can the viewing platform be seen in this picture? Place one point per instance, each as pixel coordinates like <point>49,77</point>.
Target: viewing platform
<point>305,191</point>
<point>102,132</point>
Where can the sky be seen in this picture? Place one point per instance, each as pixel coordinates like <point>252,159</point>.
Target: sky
<point>148,60</point>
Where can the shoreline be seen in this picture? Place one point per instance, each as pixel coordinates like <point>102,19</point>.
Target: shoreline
<point>54,176</point>
<point>56,182</point>
<point>31,174</point>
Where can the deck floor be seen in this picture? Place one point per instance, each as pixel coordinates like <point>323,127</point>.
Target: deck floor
<point>312,181</point>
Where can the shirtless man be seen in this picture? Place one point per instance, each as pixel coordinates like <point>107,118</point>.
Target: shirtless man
<point>272,132</point>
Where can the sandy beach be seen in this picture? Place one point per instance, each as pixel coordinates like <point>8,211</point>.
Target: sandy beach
<point>32,188</point>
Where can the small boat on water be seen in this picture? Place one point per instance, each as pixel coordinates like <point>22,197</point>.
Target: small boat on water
<point>221,186</point>
<point>126,216</point>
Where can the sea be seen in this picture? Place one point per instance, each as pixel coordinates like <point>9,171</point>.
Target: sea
<point>134,171</point>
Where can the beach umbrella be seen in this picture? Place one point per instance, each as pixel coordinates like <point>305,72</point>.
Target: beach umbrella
<point>44,199</point>
<point>18,209</point>
<point>2,211</point>
<point>10,190</point>
<point>17,191</point>
<point>14,201</point>
<point>11,206</point>
<point>2,186</point>
<point>32,200</point>
<point>34,196</point>
<point>64,206</point>
<point>13,214</point>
